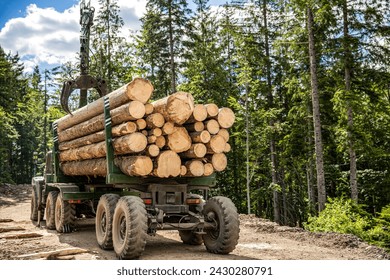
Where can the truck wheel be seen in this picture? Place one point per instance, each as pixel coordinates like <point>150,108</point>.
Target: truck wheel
<point>224,237</point>
<point>129,227</point>
<point>104,215</point>
<point>50,209</point>
<point>65,214</point>
<point>34,205</point>
<point>190,237</point>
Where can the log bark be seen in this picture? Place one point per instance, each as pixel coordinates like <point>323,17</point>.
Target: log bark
<point>212,110</point>
<point>135,165</point>
<point>141,124</point>
<point>197,150</point>
<point>131,143</point>
<point>226,117</point>
<point>139,90</point>
<point>219,161</point>
<point>216,145</point>
<point>208,169</point>
<point>160,141</point>
<point>168,128</point>
<point>212,126</point>
<point>224,133</point>
<point>90,167</point>
<point>167,164</point>
<point>152,150</point>
<point>126,112</point>
<point>149,108</point>
<point>200,137</point>
<point>155,120</point>
<point>179,141</point>
<point>176,108</point>
<point>195,127</point>
<point>199,114</point>
<point>194,168</point>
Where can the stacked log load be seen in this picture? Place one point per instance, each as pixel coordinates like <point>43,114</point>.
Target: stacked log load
<point>169,137</point>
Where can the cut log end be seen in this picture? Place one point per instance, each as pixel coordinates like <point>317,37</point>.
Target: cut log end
<point>212,126</point>
<point>212,110</point>
<point>194,168</point>
<point>140,90</point>
<point>135,165</point>
<point>179,141</point>
<point>219,161</point>
<point>226,117</point>
<point>167,164</point>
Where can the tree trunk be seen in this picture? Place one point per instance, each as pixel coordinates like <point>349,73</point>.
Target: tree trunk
<point>208,169</point>
<point>177,107</point>
<point>199,114</point>
<point>149,108</point>
<point>179,141</point>
<point>216,145</point>
<point>219,161</point>
<point>127,112</point>
<point>135,165</point>
<point>212,110</point>
<point>225,117</point>
<point>131,143</point>
<point>200,137</point>
<point>212,126</point>
<point>195,168</point>
<point>347,69</point>
<point>316,115</point>
<point>167,164</point>
<point>139,89</point>
<point>197,150</point>
<point>155,120</point>
<point>171,47</point>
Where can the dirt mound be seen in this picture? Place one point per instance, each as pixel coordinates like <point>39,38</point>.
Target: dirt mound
<point>323,239</point>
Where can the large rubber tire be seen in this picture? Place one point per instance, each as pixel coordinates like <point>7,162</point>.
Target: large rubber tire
<point>34,205</point>
<point>224,238</point>
<point>129,228</point>
<point>51,209</point>
<point>65,214</point>
<point>104,216</point>
<point>190,238</point>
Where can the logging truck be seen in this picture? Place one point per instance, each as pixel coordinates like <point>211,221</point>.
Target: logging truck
<point>132,196</point>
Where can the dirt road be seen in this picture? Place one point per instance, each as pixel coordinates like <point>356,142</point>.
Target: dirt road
<point>259,239</point>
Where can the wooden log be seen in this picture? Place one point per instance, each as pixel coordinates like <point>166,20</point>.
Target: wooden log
<point>212,126</point>
<point>145,132</point>
<point>219,161</point>
<point>59,252</point>
<point>168,128</point>
<point>225,117</point>
<point>149,108</point>
<point>119,130</point>
<point>216,145</point>
<point>194,168</point>
<point>124,129</point>
<point>183,170</point>
<point>197,150</point>
<point>212,110</point>
<point>179,141</point>
<point>195,127</point>
<point>224,133</point>
<point>160,141</point>
<point>167,164</point>
<point>176,107</point>
<point>227,148</point>
<point>139,89</point>
<point>131,143</point>
<point>155,131</point>
<point>135,165</point>
<point>126,112</point>
<point>8,229</point>
<point>200,137</point>
<point>152,150</point>
<point>208,169</point>
<point>90,167</point>
<point>198,115</point>
<point>22,235</point>
<point>155,120</point>
<point>152,139</point>
<point>141,124</point>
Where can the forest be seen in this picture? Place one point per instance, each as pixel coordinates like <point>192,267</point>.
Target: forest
<point>308,80</point>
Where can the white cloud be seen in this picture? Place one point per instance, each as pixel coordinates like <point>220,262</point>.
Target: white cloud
<point>46,36</point>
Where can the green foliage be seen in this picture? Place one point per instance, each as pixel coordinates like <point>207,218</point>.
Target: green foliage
<point>345,216</point>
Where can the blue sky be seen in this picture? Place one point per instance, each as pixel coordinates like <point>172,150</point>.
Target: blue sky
<point>46,32</point>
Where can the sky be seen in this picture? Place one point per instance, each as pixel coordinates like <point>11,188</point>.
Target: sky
<point>46,32</point>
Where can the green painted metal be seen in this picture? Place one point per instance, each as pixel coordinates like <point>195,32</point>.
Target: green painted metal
<point>93,195</point>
